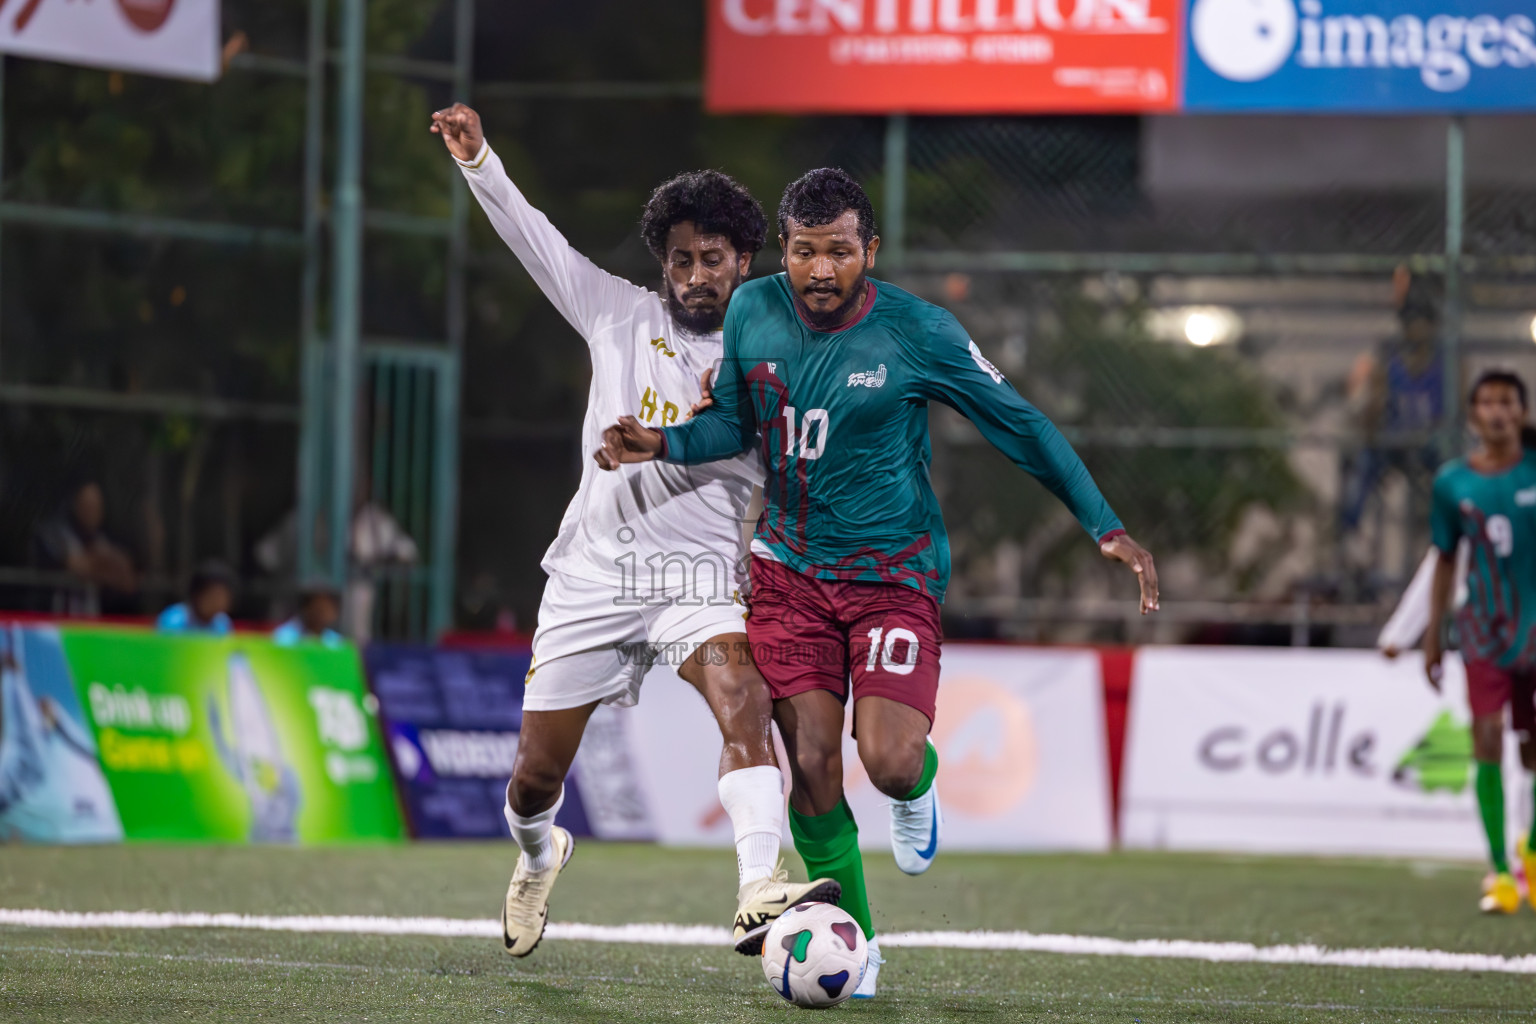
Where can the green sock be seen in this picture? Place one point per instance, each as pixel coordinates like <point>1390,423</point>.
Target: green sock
<point>829,845</point>
<point>930,769</point>
<point>1490,801</point>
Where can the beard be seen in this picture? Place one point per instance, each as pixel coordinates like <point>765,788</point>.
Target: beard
<point>698,320</point>
<point>837,315</point>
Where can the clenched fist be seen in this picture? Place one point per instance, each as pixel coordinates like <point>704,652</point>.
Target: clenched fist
<point>460,128</point>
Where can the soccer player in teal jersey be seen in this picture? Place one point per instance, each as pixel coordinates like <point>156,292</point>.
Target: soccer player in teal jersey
<point>1489,498</point>
<point>830,373</point>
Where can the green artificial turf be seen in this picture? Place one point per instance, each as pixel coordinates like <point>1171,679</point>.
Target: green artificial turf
<point>184,974</point>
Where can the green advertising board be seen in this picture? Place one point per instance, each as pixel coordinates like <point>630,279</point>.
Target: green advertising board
<point>233,738</point>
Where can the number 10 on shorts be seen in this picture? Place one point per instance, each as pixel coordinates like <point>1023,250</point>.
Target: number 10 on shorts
<point>884,655</point>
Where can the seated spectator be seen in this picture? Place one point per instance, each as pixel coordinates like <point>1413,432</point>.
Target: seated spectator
<point>319,611</point>
<point>206,609</point>
<point>74,541</point>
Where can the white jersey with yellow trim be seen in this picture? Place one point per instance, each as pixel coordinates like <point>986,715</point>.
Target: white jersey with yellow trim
<point>647,526</point>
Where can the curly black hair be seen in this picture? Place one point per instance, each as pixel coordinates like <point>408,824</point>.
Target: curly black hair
<point>821,196</point>
<point>716,202</point>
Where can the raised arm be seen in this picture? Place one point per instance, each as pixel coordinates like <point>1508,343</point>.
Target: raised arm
<point>962,378</point>
<point>585,294</point>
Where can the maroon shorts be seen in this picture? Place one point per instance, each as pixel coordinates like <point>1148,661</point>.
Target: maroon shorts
<point>1489,688</point>
<point>814,634</point>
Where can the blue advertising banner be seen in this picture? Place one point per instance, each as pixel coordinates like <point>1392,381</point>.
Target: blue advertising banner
<point>52,789</point>
<point>1360,56</point>
<point>451,721</point>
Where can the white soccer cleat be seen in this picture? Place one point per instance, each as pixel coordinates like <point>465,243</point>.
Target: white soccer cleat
<point>525,911</point>
<point>915,826</point>
<point>866,989</point>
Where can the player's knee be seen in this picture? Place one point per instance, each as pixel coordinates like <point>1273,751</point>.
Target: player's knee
<point>741,692</point>
<point>1489,750</point>
<point>535,784</point>
<point>895,781</point>
<point>1488,738</point>
<point>894,762</point>
<point>893,772</point>
<point>742,707</point>
<point>817,762</point>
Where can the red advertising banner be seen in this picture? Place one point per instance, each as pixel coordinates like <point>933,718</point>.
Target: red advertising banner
<point>942,56</point>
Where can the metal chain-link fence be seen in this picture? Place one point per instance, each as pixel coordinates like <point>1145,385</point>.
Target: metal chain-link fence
<point>1207,307</point>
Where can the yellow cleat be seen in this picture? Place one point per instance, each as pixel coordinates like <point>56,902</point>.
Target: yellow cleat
<point>1501,896</point>
<point>1528,859</point>
<point>525,911</point>
<point>760,903</point>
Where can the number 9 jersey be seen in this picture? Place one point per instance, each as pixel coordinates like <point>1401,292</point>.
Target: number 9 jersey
<point>1496,513</point>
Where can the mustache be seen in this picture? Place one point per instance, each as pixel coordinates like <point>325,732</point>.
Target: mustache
<point>823,289</point>
<point>700,293</point>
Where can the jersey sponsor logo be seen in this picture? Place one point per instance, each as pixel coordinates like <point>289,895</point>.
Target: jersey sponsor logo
<point>773,368</point>
<point>986,364</point>
<point>868,378</point>
<point>1526,498</point>
<point>652,402</point>
<point>1501,534</point>
<point>660,345</point>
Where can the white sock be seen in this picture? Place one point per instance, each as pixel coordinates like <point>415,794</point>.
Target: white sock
<point>754,798</point>
<point>532,834</point>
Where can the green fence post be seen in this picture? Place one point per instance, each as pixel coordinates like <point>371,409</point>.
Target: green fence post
<point>312,425</point>
<point>445,503</point>
<point>893,236</point>
<point>445,463</point>
<point>1450,331</point>
<point>346,281</point>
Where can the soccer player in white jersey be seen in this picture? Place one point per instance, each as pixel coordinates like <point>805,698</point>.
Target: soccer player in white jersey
<point>648,561</point>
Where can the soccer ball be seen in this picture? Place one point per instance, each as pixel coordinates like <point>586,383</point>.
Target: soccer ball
<point>815,955</point>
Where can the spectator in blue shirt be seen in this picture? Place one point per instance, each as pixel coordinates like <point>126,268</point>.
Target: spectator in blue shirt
<point>319,611</point>
<point>206,609</point>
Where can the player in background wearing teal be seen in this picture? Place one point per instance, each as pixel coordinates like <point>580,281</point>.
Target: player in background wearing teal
<point>830,373</point>
<point>1489,498</point>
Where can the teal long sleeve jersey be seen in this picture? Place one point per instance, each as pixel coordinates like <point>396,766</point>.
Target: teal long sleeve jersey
<point>841,418</point>
<point>1496,514</point>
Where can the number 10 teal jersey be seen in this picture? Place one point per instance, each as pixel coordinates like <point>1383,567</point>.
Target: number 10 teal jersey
<point>841,418</point>
<point>1496,513</point>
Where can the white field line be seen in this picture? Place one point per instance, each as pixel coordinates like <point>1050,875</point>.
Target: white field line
<point>706,935</point>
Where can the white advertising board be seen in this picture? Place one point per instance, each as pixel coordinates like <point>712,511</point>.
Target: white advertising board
<point>176,38</point>
<point>1286,750</point>
<point>1020,735</point>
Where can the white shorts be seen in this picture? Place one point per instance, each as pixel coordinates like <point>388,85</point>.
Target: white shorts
<point>588,647</point>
